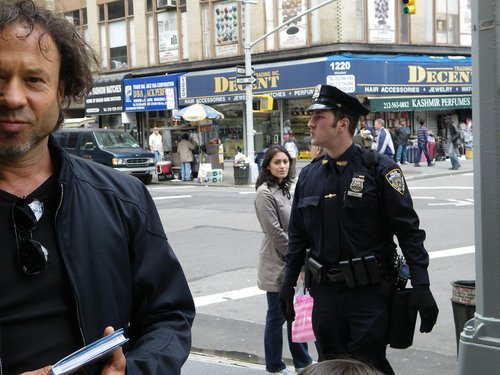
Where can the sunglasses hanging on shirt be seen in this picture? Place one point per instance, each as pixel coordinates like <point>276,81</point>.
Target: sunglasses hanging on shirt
<point>33,258</point>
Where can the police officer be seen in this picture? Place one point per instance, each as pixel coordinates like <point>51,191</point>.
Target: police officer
<point>347,219</point>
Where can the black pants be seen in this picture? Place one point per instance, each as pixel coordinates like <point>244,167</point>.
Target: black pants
<point>353,322</point>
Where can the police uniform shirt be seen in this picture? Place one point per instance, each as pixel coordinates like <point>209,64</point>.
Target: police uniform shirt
<point>337,213</point>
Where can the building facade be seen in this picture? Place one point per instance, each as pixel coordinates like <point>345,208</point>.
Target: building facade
<point>161,55</point>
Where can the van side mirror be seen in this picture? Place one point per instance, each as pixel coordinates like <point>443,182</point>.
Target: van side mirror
<point>88,146</point>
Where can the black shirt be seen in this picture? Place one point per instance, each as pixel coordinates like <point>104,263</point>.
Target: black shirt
<point>38,324</point>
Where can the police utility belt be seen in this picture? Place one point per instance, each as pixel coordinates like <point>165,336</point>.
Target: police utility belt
<point>355,273</point>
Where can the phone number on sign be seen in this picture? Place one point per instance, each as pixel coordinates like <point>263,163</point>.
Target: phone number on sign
<point>397,105</point>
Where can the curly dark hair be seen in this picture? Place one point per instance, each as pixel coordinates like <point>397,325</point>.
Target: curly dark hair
<point>78,60</point>
<point>265,175</point>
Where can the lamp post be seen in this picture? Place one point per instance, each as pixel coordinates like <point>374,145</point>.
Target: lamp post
<point>248,68</point>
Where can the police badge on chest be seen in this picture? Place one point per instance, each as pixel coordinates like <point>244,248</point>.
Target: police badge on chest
<point>356,186</point>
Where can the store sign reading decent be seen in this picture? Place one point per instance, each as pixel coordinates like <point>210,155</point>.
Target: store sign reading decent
<point>407,75</point>
<point>286,80</point>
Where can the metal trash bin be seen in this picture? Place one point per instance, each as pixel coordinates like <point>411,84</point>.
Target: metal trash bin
<point>463,301</point>
<point>241,173</point>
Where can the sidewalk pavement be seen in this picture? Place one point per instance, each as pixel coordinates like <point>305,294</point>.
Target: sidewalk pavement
<point>441,168</point>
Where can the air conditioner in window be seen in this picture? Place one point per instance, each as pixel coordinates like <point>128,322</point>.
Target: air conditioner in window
<point>166,4</point>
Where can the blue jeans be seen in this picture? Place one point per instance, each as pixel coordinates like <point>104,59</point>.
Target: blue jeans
<point>453,152</point>
<point>423,148</point>
<point>401,153</point>
<point>273,339</point>
<point>156,157</point>
<point>186,171</point>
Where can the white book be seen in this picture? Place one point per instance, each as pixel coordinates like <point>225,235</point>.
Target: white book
<point>90,354</point>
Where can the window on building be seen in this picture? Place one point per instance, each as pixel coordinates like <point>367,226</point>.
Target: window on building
<point>447,27</point>
<point>166,35</point>
<point>78,17</point>
<point>465,22</point>
<point>221,28</point>
<point>360,20</point>
<point>117,34</point>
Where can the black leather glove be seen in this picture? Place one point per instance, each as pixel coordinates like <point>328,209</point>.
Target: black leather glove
<point>285,300</point>
<point>426,306</point>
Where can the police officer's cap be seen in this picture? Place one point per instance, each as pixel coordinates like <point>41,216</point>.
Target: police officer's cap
<point>330,97</point>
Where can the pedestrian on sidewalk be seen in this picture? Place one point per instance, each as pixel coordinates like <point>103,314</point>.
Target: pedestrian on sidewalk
<point>185,149</point>
<point>384,139</point>
<point>338,204</point>
<point>363,137</point>
<point>156,145</point>
<point>453,140</point>
<point>422,141</point>
<point>402,135</point>
<point>293,151</point>
<point>272,206</point>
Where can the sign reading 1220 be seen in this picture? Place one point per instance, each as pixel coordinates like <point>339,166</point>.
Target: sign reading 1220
<point>340,65</point>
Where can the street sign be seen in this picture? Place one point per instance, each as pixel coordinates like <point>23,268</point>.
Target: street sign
<point>240,70</point>
<point>245,80</point>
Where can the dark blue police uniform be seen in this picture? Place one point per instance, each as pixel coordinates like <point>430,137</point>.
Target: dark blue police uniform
<point>337,210</point>
<point>341,212</point>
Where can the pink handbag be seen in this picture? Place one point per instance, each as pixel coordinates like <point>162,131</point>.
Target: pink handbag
<point>302,330</point>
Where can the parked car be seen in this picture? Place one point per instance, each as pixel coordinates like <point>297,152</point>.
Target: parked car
<point>112,147</point>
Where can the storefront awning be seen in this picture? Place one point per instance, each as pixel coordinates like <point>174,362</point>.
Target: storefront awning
<point>419,103</point>
<point>281,80</point>
<point>156,93</point>
<point>106,96</point>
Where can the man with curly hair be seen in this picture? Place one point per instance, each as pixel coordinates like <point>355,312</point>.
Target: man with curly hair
<point>83,248</point>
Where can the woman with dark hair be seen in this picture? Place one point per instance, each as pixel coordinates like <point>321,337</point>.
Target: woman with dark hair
<point>273,205</point>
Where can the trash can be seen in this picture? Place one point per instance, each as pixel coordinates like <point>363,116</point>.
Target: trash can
<point>241,173</point>
<point>463,301</point>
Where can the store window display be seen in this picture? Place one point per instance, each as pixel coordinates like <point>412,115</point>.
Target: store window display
<point>296,123</point>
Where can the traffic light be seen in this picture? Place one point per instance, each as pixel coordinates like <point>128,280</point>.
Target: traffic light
<point>409,6</point>
<point>262,103</point>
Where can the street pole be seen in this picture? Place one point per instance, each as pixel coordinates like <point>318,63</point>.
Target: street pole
<point>248,89</point>
<point>247,45</point>
<point>479,347</point>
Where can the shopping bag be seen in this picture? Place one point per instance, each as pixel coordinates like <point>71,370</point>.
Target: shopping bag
<point>302,330</point>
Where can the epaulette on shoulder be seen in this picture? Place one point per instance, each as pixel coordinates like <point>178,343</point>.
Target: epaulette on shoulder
<point>370,159</point>
<point>318,158</point>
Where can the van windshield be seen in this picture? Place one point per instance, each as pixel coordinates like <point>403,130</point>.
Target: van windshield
<point>115,140</point>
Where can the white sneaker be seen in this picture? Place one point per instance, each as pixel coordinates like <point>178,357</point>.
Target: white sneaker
<point>297,370</point>
<point>282,372</point>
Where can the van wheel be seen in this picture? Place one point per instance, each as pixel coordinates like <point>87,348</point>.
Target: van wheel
<point>147,179</point>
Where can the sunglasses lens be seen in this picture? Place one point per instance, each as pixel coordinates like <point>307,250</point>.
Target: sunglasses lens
<point>26,214</point>
<point>33,257</point>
